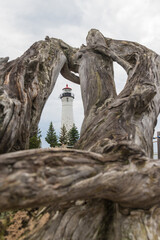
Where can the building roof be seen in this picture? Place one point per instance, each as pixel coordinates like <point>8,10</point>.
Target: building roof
<point>67,87</point>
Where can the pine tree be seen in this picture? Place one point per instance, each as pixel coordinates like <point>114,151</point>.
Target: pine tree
<point>51,137</point>
<point>73,136</point>
<point>35,141</point>
<point>63,135</point>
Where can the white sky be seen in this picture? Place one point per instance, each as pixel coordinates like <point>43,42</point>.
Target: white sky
<point>22,22</point>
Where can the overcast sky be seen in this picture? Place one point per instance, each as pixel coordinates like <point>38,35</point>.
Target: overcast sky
<point>22,22</point>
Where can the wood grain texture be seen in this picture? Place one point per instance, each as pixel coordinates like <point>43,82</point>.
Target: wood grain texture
<point>38,177</point>
<point>25,85</point>
<point>132,115</point>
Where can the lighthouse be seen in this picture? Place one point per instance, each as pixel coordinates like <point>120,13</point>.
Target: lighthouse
<point>67,107</point>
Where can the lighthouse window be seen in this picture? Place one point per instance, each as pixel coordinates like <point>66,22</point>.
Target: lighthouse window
<point>67,99</point>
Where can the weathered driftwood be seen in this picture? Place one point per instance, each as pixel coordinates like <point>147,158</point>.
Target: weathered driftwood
<point>110,187</point>
<point>132,115</point>
<point>25,85</point>
<point>39,177</point>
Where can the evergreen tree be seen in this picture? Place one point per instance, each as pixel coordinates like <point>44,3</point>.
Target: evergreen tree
<point>63,135</point>
<point>73,136</point>
<point>51,137</point>
<point>35,141</point>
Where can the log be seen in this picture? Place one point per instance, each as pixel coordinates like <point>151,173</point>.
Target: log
<point>34,178</point>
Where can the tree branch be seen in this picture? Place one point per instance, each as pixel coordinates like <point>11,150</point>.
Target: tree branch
<point>40,177</point>
<point>66,73</point>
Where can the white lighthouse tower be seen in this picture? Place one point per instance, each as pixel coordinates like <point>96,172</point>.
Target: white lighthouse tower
<point>67,107</point>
